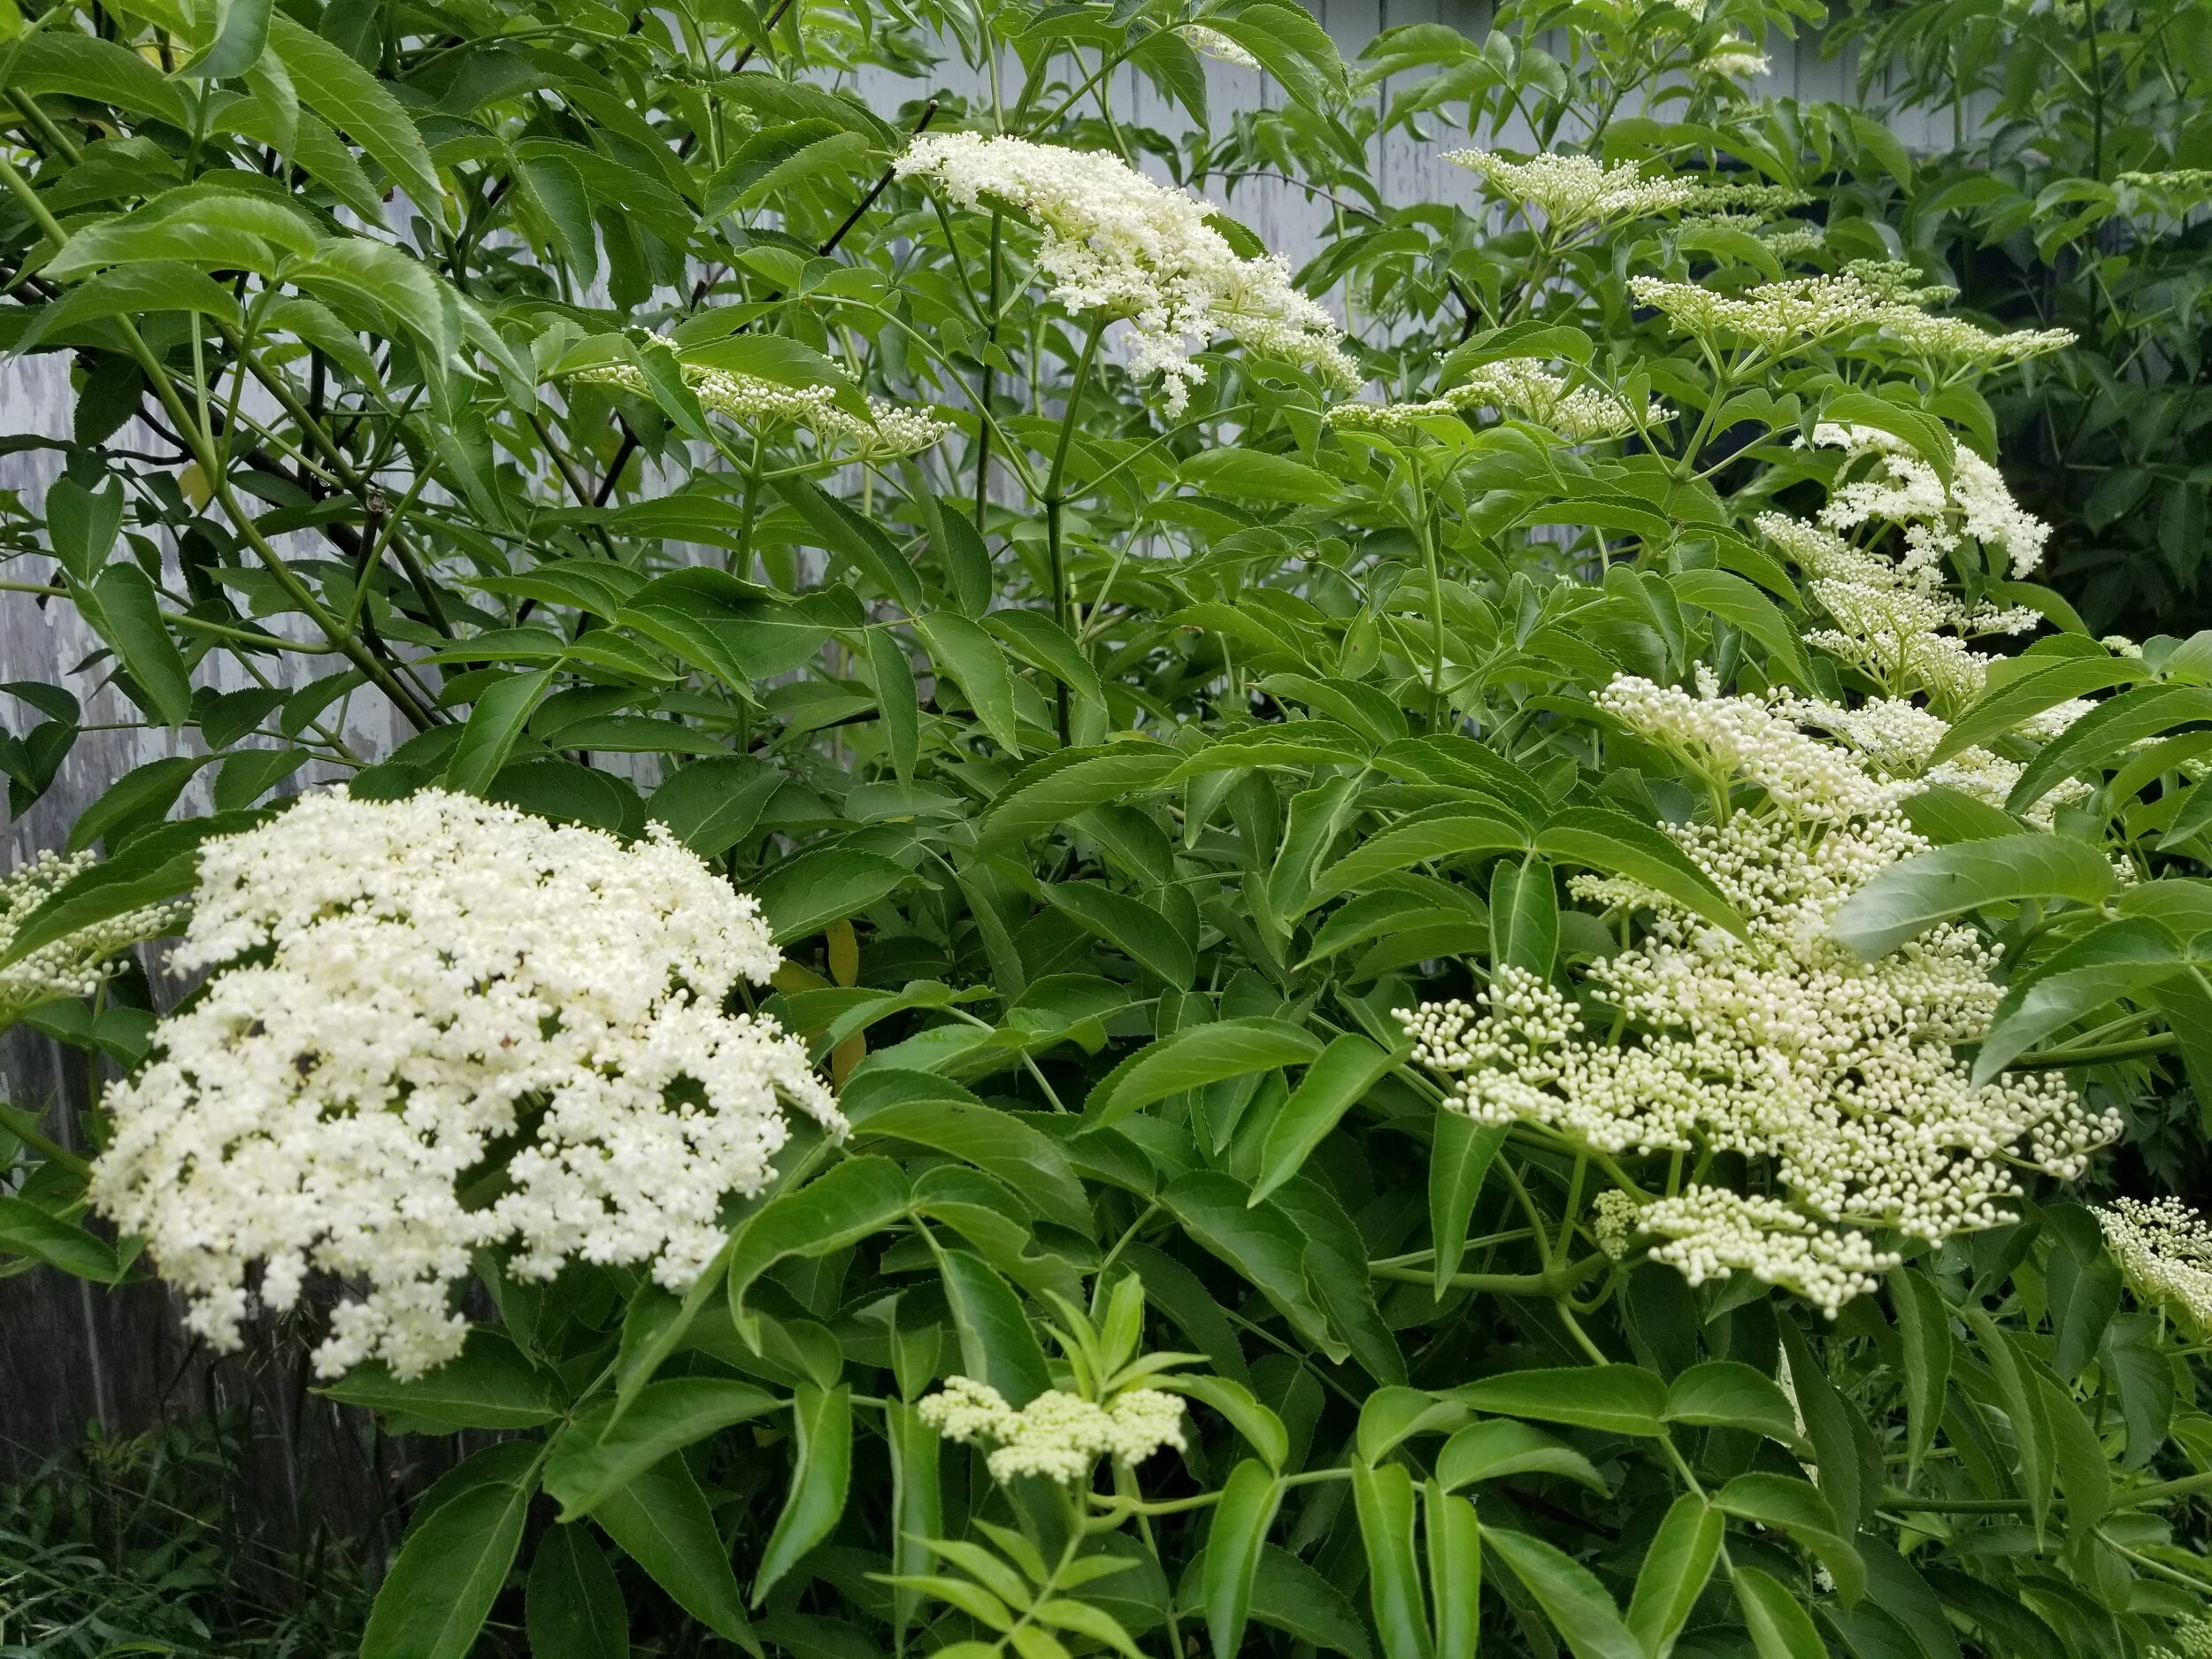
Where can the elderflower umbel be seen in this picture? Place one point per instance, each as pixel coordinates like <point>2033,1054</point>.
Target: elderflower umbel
<point>402,986</point>
<point>1574,190</point>
<point>78,964</point>
<point>1899,282</point>
<point>1969,344</point>
<point>1794,239</point>
<point>1901,488</point>
<point>1886,297</point>
<point>2164,1248</point>
<point>1214,44</point>
<point>1521,388</point>
<point>1835,1077</point>
<point>1778,317</point>
<point>1613,1222</point>
<point>1121,246</point>
<point>1058,1435</point>
<point>1735,58</point>
<point>1897,740</point>
<point>2175,190</point>
<point>1895,621</point>
<point>759,405</point>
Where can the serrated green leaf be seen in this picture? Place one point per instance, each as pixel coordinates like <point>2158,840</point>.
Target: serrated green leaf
<point>1618,1399</point>
<point>1576,1604</point>
<point>441,1589</point>
<point>1384,1498</point>
<point>822,1428</point>
<point>1234,1539</point>
<point>1337,1080</point>
<point>1675,1569</point>
<point>1908,897</point>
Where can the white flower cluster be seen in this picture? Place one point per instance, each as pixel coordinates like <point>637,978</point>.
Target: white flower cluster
<point>2172,179</point>
<point>1521,388</point>
<point>78,964</point>
<point>1785,238</point>
<point>1794,239</point>
<point>1117,243</point>
<point>2174,190</point>
<point>1899,282</point>
<point>1896,738</point>
<point>1895,621</point>
<point>1884,297</point>
<point>1735,58</point>
<point>1776,317</point>
<point>1575,191</point>
<point>1834,1076</point>
<point>1731,738</point>
<point>1903,489</point>
<point>760,405</point>
<point>412,986</point>
<point>1968,344</point>
<point>1058,1435</point>
<point>1214,44</point>
<point>2164,1248</point>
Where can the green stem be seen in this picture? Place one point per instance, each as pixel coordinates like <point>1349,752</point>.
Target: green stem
<point>357,482</point>
<point>2098,1053</point>
<point>1120,1508</point>
<point>2164,1490</point>
<point>1422,1258</point>
<point>1427,533</point>
<point>989,384</point>
<point>24,1128</point>
<point>1056,552</point>
<point>1567,1214</point>
<point>1551,1282</point>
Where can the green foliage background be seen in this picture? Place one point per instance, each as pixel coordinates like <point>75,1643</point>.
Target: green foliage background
<point>1108,783</point>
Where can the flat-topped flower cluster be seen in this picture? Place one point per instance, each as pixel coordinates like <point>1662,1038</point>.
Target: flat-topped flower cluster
<point>2164,1249</point>
<point>762,405</point>
<point>1797,314</point>
<point>1895,618</point>
<point>1118,245</point>
<point>78,964</point>
<point>1058,1435</point>
<point>1834,1077</point>
<point>438,1027</point>
<point>1521,388</point>
<point>1573,191</point>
